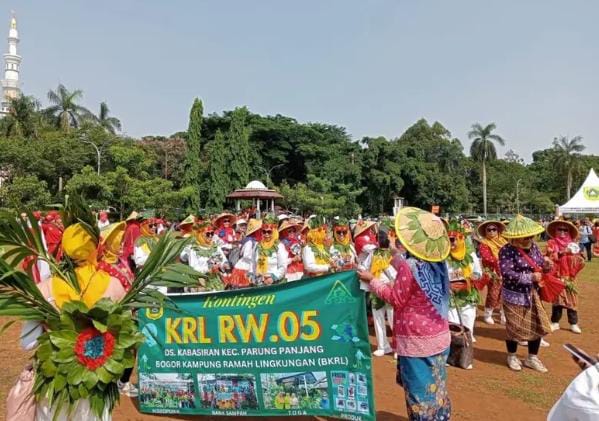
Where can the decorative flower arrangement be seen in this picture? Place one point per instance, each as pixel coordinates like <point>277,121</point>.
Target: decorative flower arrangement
<point>88,341</point>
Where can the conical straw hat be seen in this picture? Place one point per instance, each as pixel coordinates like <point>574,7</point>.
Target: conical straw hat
<point>362,226</point>
<point>190,220</point>
<point>423,234</point>
<point>521,227</point>
<point>552,227</point>
<point>253,226</point>
<point>288,224</point>
<point>483,226</point>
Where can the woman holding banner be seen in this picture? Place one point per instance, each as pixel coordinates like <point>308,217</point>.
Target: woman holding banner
<point>420,298</point>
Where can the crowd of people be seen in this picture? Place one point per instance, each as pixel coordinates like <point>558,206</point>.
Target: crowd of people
<point>423,274</point>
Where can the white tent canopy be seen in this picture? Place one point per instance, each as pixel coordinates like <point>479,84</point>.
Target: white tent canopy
<point>586,199</point>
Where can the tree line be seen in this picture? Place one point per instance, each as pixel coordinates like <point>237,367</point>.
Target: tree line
<point>64,148</point>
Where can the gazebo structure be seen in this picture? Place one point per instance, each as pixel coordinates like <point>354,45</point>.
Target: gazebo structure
<point>263,198</point>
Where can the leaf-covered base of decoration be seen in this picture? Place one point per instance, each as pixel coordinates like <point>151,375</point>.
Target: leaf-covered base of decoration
<point>83,355</point>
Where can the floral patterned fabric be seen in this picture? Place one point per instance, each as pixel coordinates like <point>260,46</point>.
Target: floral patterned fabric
<point>419,329</point>
<point>424,381</point>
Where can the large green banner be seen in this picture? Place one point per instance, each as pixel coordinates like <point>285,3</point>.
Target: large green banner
<point>299,348</point>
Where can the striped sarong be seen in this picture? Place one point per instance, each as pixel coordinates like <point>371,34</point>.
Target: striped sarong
<point>526,323</point>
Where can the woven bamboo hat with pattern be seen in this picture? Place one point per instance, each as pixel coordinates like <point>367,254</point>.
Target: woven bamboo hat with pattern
<point>423,234</point>
<point>521,227</point>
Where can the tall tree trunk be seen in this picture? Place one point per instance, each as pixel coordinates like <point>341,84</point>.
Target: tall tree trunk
<point>569,184</point>
<point>485,188</point>
<point>64,121</point>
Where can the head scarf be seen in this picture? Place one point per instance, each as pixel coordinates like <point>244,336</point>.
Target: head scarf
<point>145,228</point>
<point>200,234</point>
<point>494,244</point>
<point>267,248</point>
<point>433,280</point>
<point>562,242</point>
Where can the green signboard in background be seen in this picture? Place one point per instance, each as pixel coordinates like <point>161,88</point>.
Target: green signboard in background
<point>299,348</point>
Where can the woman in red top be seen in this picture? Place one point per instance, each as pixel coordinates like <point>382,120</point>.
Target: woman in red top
<point>491,241</point>
<point>563,250</point>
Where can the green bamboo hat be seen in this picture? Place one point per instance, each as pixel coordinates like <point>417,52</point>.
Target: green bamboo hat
<point>521,227</point>
<point>423,234</point>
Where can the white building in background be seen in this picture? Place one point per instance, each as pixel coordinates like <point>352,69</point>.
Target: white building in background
<point>11,87</point>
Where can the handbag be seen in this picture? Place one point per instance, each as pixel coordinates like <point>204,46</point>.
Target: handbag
<point>20,402</point>
<point>461,351</point>
<point>550,286</point>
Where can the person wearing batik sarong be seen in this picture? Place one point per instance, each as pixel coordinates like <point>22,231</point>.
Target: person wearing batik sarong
<point>563,250</point>
<point>464,272</point>
<point>490,242</point>
<point>520,262</point>
<point>420,299</point>
<point>290,237</point>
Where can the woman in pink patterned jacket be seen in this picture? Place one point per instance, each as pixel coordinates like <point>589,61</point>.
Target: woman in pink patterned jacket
<point>420,300</point>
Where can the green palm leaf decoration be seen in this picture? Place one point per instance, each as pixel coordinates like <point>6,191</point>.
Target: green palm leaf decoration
<point>83,351</point>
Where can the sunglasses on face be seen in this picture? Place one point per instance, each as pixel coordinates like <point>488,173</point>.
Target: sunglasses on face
<point>341,232</point>
<point>209,233</point>
<point>152,225</point>
<point>266,231</point>
<point>491,229</point>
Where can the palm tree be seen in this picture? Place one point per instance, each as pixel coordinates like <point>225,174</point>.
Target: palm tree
<point>22,118</point>
<point>483,151</point>
<point>65,110</point>
<point>567,157</point>
<point>110,124</point>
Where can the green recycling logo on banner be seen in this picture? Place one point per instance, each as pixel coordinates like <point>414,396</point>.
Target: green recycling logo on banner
<point>591,192</point>
<point>300,348</point>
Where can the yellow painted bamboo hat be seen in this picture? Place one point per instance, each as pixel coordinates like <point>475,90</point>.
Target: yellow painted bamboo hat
<point>111,236</point>
<point>253,226</point>
<point>521,227</point>
<point>423,234</point>
<point>483,226</point>
<point>553,225</point>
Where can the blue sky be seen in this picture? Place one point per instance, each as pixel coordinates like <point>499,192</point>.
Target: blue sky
<point>374,67</point>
